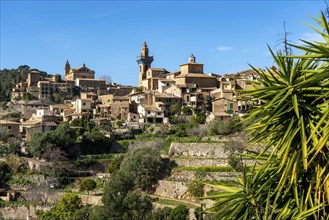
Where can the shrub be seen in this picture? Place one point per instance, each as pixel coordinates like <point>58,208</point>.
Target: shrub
<point>114,165</point>
<point>162,214</point>
<point>87,185</point>
<point>144,165</point>
<point>5,172</point>
<point>217,127</point>
<point>66,208</point>
<point>87,162</point>
<point>187,110</point>
<point>196,188</point>
<point>179,213</point>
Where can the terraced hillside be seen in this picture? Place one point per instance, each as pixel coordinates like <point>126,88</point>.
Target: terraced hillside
<point>194,166</point>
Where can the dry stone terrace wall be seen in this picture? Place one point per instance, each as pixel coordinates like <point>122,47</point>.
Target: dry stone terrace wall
<point>179,190</point>
<point>172,189</point>
<point>199,162</point>
<point>187,176</point>
<point>208,150</point>
<point>19,212</point>
<point>91,200</point>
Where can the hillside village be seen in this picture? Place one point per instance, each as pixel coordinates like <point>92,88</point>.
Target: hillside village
<point>47,101</point>
<point>67,130</point>
<point>182,144</point>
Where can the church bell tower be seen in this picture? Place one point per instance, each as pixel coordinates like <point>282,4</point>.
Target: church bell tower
<point>67,68</point>
<point>144,62</point>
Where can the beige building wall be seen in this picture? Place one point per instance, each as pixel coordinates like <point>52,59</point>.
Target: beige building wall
<point>33,78</point>
<point>106,99</point>
<point>10,126</point>
<point>223,105</point>
<point>191,68</point>
<point>82,72</point>
<point>202,81</point>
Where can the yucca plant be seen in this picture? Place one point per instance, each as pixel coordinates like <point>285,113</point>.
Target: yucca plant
<point>293,125</point>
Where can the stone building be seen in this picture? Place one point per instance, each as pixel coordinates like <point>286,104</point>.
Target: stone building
<point>144,62</point>
<point>11,127</point>
<point>74,73</point>
<point>113,106</point>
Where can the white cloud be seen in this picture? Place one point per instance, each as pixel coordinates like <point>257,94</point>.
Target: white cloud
<point>311,37</point>
<point>224,48</point>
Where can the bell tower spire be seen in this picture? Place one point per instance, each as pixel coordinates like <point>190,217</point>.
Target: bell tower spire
<point>144,62</point>
<point>67,68</point>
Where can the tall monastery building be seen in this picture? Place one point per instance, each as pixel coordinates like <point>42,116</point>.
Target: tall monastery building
<point>74,73</point>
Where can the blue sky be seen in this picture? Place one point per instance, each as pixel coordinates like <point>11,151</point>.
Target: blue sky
<point>226,36</point>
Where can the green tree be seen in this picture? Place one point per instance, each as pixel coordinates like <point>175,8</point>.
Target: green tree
<point>97,139</point>
<point>66,208</point>
<point>293,126</point>
<point>144,165</point>
<point>186,110</point>
<point>114,165</point>
<point>83,213</point>
<point>217,127</point>
<point>162,214</point>
<point>120,202</point>
<point>175,109</point>
<point>140,169</point>
<point>40,143</point>
<point>114,193</point>
<point>87,185</point>
<point>179,213</point>
<point>5,172</point>
<point>58,98</point>
<point>136,207</point>
<point>63,138</point>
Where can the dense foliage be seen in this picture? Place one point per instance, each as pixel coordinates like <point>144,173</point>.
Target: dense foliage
<point>87,185</point>
<point>63,138</point>
<point>196,188</point>
<point>144,166</point>
<point>293,127</point>
<point>5,172</point>
<point>67,208</point>
<point>178,213</point>
<point>140,169</point>
<point>114,165</point>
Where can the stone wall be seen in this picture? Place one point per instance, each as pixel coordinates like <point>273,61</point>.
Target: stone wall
<point>91,199</point>
<point>240,137</point>
<point>199,162</point>
<point>172,189</point>
<point>208,150</point>
<point>185,176</point>
<point>19,212</point>
<point>50,198</point>
<point>179,190</point>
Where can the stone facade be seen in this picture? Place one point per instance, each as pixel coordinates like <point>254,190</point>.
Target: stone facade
<point>186,176</point>
<point>197,162</point>
<point>207,150</point>
<point>172,189</point>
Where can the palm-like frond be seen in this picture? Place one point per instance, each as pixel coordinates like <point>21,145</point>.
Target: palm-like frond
<point>293,125</point>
